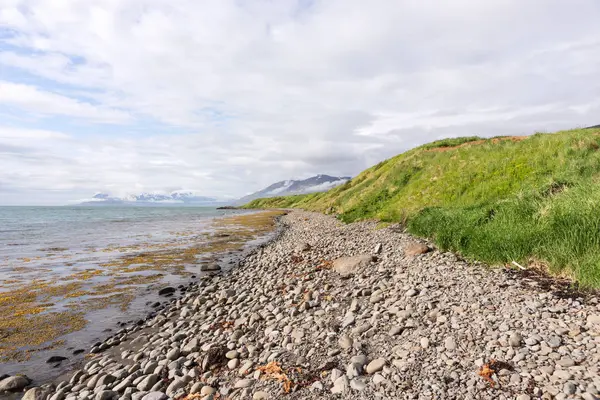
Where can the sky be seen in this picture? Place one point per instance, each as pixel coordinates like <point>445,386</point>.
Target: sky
<point>224,97</point>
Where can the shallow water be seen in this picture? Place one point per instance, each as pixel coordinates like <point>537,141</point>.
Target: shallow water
<point>69,274</point>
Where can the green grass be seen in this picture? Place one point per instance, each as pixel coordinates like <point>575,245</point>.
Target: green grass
<point>495,200</point>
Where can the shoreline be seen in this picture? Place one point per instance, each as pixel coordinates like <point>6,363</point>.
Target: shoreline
<point>331,310</point>
<point>127,279</point>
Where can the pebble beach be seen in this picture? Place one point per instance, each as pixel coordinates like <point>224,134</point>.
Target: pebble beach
<point>348,311</point>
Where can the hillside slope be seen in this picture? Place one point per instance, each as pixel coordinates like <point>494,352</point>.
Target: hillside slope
<point>532,199</point>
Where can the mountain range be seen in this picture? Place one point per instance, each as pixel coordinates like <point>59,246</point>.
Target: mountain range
<point>173,198</point>
<point>318,183</point>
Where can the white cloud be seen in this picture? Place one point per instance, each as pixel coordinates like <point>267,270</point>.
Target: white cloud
<point>230,96</point>
<point>40,102</point>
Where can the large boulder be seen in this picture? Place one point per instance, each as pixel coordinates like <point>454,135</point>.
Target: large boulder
<point>414,249</point>
<point>346,266</point>
<point>14,383</point>
<point>36,393</point>
<point>166,291</point>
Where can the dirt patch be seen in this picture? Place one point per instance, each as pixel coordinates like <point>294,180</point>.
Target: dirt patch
<point>562,288</point>
<point>479,142</point>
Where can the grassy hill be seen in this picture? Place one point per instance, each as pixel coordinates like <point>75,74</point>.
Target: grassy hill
<point>534,200</point>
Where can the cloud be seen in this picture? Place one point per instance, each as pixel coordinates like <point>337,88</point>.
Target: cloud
<point>39,102</point>
<point>225,97</point>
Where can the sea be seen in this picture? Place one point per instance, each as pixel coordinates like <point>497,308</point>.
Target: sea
<point>71,276</point>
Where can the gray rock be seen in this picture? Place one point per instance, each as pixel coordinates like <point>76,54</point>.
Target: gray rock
<point>244,383</point>
<point>569,388</point>
<point>155,396</point>
<point>515,341</point>
<point>232,354</point>
<point>147,383</point>
<point>450,343</point>
<point>346,266</point>
<point>260,395</point>
<point>207,390</point>
<point>345,342</point>
<point>107,395</point>
<point>14,383</point>
<point>173,354</point>
<point>36,393</point>
<point>302,247</point>
<point>554,341</point>
<point>358,385</point>
<point>175,386</point>
<point>376,365</point>
<point>340,385</point>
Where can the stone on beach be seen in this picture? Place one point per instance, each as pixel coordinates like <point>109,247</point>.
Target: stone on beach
<point>346,266</point>
<point>14,383</point>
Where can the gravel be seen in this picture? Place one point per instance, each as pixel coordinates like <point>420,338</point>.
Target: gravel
<point>354,312</point>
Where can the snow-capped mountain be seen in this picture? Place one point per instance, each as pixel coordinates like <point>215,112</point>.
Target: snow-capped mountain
<point>178,197</point>
<point>318,183</point>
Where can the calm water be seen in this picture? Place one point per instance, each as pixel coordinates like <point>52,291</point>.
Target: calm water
<point>69,260</point>
<point>29,232</point>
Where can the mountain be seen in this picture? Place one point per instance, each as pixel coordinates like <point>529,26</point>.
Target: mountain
<point>178,197</point>
<point>318,183</point>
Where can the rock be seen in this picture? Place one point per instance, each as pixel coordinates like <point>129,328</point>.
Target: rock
<point>243,383</point>
<point>569,388</point>
<point>361,329</point>
<point>554,341</point>
<point>155,396</point>
<point>353,370</point>
<point>450,343</point>
<point>345,342</point>
<point>14,383</point>
<point>593,321</point>
<point>196,387</point>
<point>395,330</point>
<point>424,343</point>
<point>208,390</point>
<point>415,249</point>
<point>378,379</point>
<point>301,247</point>
<point>340,385</point>
<point>515,340</point>
<point>232,354</point>
<point>107,395</point>
<point>166,291</point>
<point>173,354</point>
<point>375,365</point>
<point>523,397</point>
<point>357,385</point>
<point>378,248</point>
<point>56,359</point>
<point>59,395</point>
<point>233,364</point>
<point>411,293</point>
<point>245,368</point>
<point>210,267</point>
<point>346,266</point>
<point>147,383</point>
<point>260,395</point>
<point>175,386</point>
<point>36,393</point>
<point>105,380</point>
